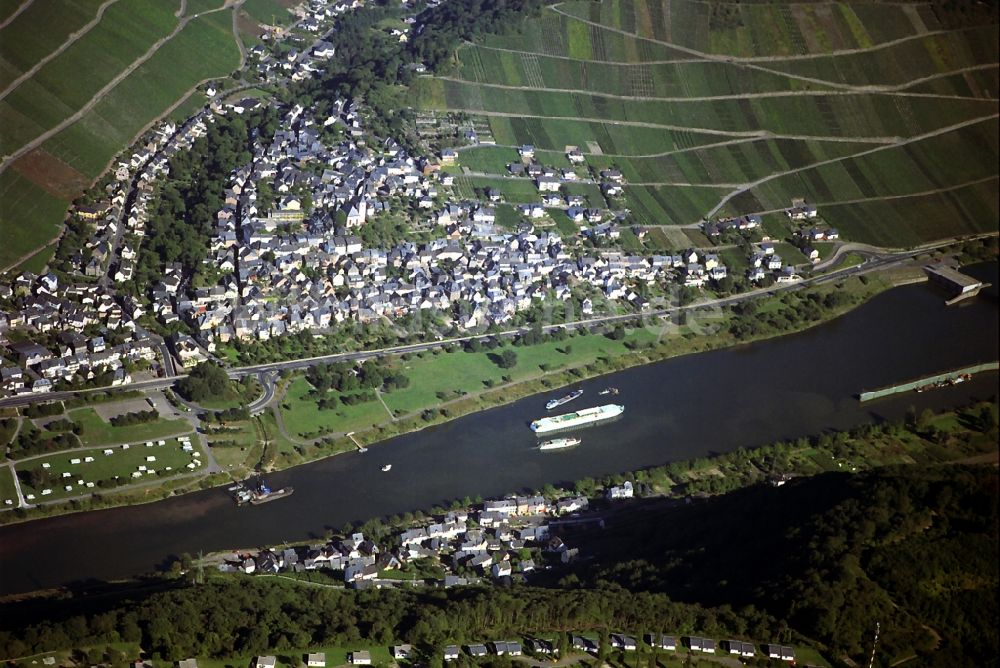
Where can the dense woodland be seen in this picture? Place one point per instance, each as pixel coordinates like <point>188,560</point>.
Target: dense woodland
<point>913,548</point>
<point>206,380</point>
<point>448,24</point>
<point>179,229</point>
<point>256,616</point>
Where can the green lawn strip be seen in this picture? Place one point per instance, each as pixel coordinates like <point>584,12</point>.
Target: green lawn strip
<point>514,191</point>
<point>7,490</point>
<point>242,433</point>
<point>204,48</point>
<point>29,216</point>
<point>95,431</point>
<point>789,253</point>
<point>104,468</point>
<point>237,452</point>
<point>488,159</point>
<point>303,417</point>
<point>268,12</point>
<point>453,374</point>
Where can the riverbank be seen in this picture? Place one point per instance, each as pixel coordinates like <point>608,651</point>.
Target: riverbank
<point>681,409</point>
<point>265,442</point>
<point>656,341</point>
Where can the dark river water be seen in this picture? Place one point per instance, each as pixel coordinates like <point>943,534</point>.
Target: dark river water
<point>688,407</point>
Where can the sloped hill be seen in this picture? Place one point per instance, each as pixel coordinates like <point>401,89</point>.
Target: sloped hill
<point>912,548</point>
<point>883,114</point>
<point>78,80</point>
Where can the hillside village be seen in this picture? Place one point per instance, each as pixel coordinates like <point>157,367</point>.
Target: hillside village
<point>296,263</point>
<point>498,542</point>
<point>287,254</point>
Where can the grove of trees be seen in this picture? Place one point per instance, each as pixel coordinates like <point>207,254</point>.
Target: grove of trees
<point>207,380</point>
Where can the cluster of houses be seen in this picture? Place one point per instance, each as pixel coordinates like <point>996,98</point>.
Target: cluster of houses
<point>66,319</point>
<point>550,180</point>
<point>120,222</point>
<point>746,223</point>
<point>290,261</point>
<point>542,648</point>
<point>73,311</point>
<point>316,17</point>
<point>488,546</point>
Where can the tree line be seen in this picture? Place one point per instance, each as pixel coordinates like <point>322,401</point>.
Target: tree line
<point>241,617</point>
<point>829,555</point>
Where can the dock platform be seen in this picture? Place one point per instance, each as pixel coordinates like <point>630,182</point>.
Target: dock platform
<point>960,286</point>
<point>948,377</point>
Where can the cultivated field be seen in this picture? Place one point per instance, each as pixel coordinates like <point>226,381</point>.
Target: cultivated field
<point>79,79</point>
<point>885,115</point>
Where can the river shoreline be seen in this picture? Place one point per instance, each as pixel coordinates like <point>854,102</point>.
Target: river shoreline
<point>677,346</point>
<point>780,389</point>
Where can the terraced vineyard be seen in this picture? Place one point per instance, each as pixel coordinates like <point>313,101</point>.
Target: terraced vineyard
<point>879,113</point>
<point>79,79</point>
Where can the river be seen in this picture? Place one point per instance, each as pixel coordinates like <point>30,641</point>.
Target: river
<point>682,408</point>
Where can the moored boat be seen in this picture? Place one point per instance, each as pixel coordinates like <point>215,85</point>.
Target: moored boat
<point>578,419</point>
<point>559,443</point>
<point>258,493</point>
<point>562,400</point>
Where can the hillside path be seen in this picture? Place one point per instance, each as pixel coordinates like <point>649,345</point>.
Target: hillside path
<point>910,140</point>
<point>107,88</point>
<point>896,90</point>
<point>73,37</point>
<point>748,64</point>
<point>750,134</point>
<point>21,8</point>
<point>764,59</point>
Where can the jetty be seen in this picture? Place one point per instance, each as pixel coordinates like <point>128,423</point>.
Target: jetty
<point>960,286</point>
<point>939,380</point>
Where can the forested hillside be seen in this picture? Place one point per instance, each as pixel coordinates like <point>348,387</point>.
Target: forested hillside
<point>818,559</point>
<point>912,548</point>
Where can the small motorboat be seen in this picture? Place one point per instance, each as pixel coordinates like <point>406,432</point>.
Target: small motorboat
<point>387,467</point>
<point>609,390</point>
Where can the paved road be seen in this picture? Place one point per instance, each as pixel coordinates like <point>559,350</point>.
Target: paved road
<point>874,262</point>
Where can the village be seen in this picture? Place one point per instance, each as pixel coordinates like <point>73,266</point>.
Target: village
<point>287,254</point>
<point>499,542</point>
